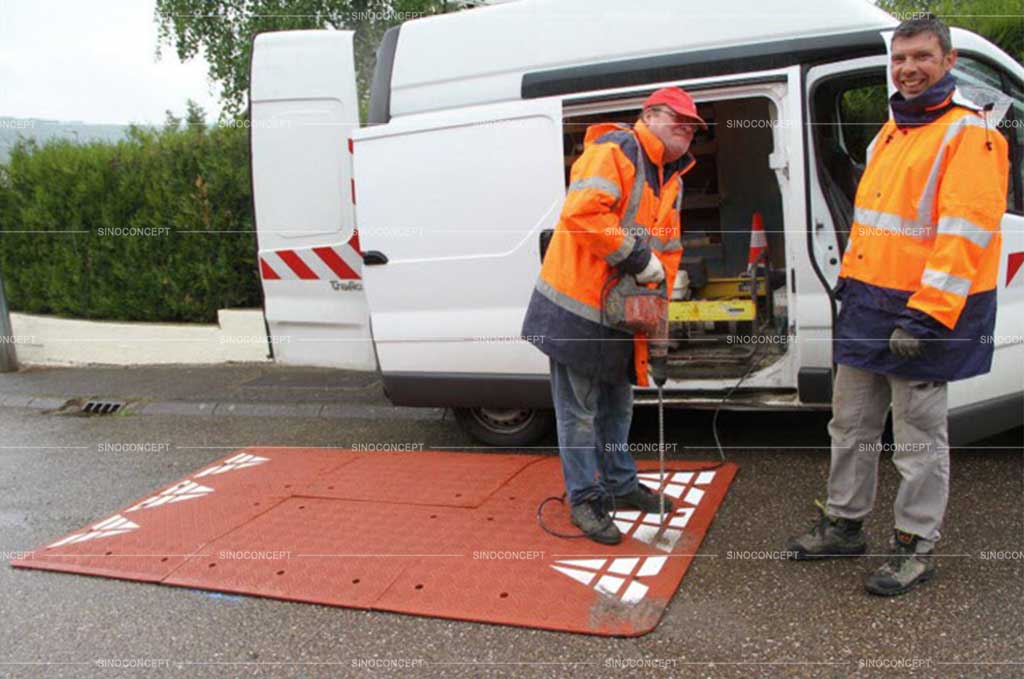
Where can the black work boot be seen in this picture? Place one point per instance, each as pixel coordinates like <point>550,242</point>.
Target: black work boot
<point>644,499</point>
<point>830,537</point>
<point>591,517</point>
<point>904,570</point>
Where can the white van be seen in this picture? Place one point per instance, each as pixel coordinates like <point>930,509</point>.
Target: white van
<point>411,245</point>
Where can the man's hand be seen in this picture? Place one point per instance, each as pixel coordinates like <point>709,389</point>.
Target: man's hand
<point>902,343</point>
<point>652,273</point>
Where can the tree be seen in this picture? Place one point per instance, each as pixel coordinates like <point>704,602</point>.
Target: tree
<point>171,121</point>
<point>223,31</point>
<point>1000,21</point>
<point>195,116</point>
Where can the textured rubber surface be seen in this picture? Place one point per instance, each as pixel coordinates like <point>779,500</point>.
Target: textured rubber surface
<point>439,534</point>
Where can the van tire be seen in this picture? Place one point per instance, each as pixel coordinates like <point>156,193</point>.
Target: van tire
<point>506,427</point>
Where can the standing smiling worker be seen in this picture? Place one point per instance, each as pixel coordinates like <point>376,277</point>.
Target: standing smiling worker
<point>918,292</point>
<point>620,217</point>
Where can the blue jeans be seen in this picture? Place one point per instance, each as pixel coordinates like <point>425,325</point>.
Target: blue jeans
<point>593,419</point>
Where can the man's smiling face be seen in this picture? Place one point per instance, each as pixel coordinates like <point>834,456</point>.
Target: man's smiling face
<point>918,63</point>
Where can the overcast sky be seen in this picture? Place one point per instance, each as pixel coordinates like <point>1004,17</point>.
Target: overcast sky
<point>94,61</point>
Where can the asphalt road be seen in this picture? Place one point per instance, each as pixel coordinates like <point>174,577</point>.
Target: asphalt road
<point>734,615</point>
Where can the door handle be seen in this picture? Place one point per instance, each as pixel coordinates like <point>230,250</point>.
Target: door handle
<point>374,257</point>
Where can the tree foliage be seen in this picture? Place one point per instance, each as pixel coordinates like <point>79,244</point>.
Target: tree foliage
<point>1001,21</point>
<point>223,32</point>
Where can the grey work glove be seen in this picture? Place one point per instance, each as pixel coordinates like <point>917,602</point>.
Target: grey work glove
<point>902,343</point>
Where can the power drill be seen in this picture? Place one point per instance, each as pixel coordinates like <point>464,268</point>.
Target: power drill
<point>643,310</point>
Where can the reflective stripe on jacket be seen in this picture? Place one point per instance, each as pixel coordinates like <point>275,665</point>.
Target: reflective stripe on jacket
<point>621,208</point>
<point>924,248</point>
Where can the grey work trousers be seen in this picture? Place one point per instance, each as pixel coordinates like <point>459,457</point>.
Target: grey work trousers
<point>860,401</point>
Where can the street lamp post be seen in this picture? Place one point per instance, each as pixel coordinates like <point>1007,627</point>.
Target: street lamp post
<point>8,357</point>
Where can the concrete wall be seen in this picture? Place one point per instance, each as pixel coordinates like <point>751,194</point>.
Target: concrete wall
<point>239,335</point>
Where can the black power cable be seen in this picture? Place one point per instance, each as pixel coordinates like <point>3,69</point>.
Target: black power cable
<point>582,533</point>
<point>718,409</point>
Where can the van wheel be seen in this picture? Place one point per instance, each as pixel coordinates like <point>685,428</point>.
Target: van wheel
<point>507,427</point>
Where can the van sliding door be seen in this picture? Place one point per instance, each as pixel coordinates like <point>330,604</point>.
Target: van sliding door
<point>450,208</point>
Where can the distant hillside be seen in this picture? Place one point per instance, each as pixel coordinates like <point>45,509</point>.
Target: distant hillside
<point>43,130</point>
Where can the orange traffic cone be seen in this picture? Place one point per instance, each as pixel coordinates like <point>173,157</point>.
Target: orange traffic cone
<point>758,240</point>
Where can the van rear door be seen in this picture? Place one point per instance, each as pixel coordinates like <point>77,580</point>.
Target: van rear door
<point>451,206</point>
<point>303,107</point>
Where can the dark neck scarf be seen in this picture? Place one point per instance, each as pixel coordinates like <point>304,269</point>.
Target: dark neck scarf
<point>925,107</point>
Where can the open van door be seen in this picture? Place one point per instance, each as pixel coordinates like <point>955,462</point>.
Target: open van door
<point>847,103</point>
<point>451,207</point>
<point>303,107</point>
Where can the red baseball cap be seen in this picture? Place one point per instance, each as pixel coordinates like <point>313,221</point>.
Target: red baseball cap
<point>677,99</point>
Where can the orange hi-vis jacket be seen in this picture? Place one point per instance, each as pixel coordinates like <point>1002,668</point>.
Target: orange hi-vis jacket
<point>621,208</point>
<point>924,248</point>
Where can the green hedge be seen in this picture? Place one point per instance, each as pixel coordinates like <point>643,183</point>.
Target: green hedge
<point>157,227</point>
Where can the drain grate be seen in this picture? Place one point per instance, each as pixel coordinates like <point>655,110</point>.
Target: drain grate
<point>102,407</point>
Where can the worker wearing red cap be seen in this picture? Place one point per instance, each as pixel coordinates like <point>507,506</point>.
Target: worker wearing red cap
<point>620,216</point>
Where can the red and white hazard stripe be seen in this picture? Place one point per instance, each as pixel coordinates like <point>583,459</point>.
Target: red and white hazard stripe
<point>327,262</point>
<point>1014,263</point>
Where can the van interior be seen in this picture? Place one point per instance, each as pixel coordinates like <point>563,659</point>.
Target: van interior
<point>723,311</point>
<point>847,111</point>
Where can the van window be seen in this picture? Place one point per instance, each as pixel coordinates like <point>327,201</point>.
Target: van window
<point>847,112</point>
<point>1014,124</point>
<point>862,112</point>
<point>978,78</point>
<point>973,72</point>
